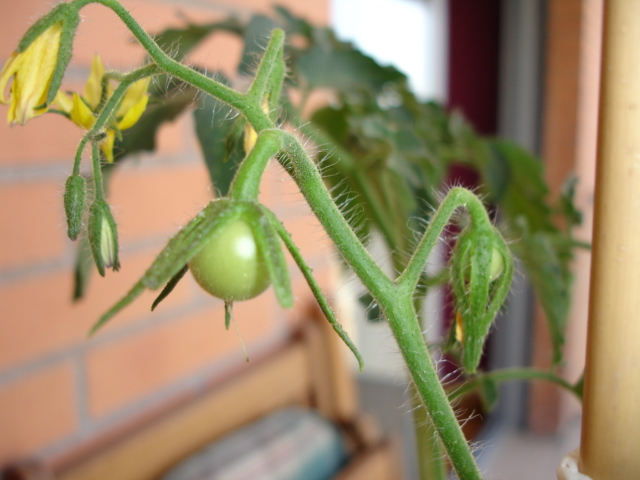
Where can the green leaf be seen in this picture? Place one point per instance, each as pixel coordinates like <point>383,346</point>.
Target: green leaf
<point>488,389</point>
<point>333,121</point>
<point>567,206</point>
<point>497,174</point>
<point>344,69</point>
<point>219,140</point>
<point>526,193</point>
<point>293,25</point>
<point>544,257</point>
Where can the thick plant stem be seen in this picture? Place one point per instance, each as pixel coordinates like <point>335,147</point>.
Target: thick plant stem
<point>431,464</point>
<point>395,299</point>
<point>404,325</point>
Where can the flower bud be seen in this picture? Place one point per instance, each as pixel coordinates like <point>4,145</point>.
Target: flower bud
<point>75,192</point>
<point>32,73</point>
<point>482,269</point>
<point>103,237</point>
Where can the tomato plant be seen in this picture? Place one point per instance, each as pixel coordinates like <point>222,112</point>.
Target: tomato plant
<point>230,265</point>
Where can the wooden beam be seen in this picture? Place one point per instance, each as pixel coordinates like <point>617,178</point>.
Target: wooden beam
<point>611,425</point>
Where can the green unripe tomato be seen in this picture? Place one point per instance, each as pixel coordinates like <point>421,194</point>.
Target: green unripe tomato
<point>230,266</point>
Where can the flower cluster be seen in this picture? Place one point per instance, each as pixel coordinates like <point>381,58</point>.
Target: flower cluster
<point>31,74</point>
<point>82,110</point>
<point>34,72</point>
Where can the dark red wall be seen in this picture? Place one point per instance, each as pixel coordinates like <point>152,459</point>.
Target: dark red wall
<point>474,43</point>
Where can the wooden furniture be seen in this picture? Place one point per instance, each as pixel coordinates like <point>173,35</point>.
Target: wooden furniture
<point>309,370</point>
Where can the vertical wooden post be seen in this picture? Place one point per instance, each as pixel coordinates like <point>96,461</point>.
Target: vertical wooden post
<point>610,446</point>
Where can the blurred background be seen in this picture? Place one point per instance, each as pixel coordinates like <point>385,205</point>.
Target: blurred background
<point>523,70</point>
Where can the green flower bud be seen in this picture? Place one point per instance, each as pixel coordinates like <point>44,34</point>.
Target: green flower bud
<point>482,269</point>
<point>75,193</point>
<point>103,237</point>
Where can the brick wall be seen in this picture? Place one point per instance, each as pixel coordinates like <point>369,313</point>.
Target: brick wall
<point>59,390</point>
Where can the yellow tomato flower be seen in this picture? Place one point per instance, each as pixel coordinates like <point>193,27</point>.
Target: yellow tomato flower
<point>82,110</point>
<point>32,72</point>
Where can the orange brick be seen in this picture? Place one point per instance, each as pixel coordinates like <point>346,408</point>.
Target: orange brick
<point>220,52</point>
<point>176,137</point>
<point>37,315</point>
<point>36,410</point>
<point>104,33</point>
<point>17,17</point>
<point>127,370</point>
<point>309,236</point>
<point>316,11</point>
<point>151,201</point>
<point>279,191</point>
<point>32,222</point>
<point>46,139</point>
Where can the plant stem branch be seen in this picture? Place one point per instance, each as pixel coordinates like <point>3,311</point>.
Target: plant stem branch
<point>511,374</point>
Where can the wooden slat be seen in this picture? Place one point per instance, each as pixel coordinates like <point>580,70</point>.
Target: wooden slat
<point>380,463</point>
<point>281,381</point>
<point>333,386</point>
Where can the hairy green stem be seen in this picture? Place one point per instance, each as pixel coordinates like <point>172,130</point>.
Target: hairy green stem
<point>305,173</point>
<point>401,315</point>
<point>98,187</point>
<point>456,197</point>
<point>246,183</point>
<point>262,80</point>
<point>347,165</point>
<point>395,300</point>
<point>431,462</point>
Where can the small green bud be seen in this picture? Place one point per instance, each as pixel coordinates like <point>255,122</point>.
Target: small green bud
<point>103,237</point>
<point>481,269</point>
<point>75,193</point>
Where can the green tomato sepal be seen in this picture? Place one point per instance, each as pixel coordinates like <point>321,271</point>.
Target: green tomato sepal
<point>481,274</point>
<point>204,228</point>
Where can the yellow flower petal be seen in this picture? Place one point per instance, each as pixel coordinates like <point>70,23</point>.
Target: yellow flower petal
<point>63,101</point>
<point>8,71</point>
<point>132,97</point>
<point>81,114</point>
<point>106,145</point>
<point>93,87</point>
<point>133,114</point>
<point>32,72</point>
